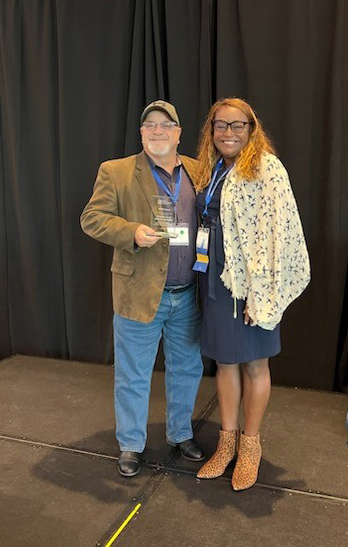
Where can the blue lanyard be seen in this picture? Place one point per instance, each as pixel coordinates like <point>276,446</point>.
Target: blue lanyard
<point>213,185</point>
<point>173,196</point>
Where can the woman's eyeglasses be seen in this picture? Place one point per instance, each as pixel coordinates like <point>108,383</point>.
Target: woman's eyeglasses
<point>237,126</point>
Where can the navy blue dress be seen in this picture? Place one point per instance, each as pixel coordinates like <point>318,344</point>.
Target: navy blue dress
<point>225,338</point>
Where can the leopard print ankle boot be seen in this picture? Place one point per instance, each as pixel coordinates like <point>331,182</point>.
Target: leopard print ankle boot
<point>224,453</point>
<point>248,462</point>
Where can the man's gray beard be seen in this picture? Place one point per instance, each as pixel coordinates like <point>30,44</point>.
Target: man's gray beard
<point>156,151</point>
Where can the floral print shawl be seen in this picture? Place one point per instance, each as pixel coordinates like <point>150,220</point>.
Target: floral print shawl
<point>266,259</point>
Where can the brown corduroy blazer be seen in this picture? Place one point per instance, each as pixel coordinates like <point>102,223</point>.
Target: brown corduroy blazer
<point>121,201</point>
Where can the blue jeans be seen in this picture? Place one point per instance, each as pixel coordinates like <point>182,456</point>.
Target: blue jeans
<point>136,346</point>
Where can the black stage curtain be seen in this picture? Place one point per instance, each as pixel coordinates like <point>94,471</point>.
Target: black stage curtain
<point>75,75</point>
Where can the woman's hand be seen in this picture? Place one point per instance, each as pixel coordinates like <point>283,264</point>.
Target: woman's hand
<point>247,318</point>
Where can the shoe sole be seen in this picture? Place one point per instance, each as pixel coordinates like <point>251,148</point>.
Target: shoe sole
<point>128,474</point>
<point>244,487</point>
<point>211,477</point>
<point>192,459</point>
<point>174,445</point>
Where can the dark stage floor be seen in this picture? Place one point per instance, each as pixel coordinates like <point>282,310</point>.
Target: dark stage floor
<point>59,485</point>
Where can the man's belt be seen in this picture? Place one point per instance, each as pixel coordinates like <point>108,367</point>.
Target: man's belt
<point>179,288</point>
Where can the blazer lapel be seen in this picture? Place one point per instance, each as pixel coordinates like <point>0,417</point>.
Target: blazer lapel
<point>145,179</point>
<point>187,166</point>
<point>146,182</point>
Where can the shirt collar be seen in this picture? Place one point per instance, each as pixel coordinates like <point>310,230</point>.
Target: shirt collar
<point>153,165</point>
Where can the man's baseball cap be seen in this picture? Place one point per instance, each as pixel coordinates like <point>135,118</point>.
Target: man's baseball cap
<point>161,105</point>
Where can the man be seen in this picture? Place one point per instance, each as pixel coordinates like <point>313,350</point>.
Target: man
<point>153,282</point>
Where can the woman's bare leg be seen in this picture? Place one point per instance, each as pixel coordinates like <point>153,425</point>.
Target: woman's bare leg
<point>229,392</point>
<point>256,393</point>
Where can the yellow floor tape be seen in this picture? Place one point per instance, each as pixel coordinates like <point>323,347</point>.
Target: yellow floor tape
<point>123,525</point>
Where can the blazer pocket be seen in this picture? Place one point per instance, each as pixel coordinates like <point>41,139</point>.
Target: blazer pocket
<point>122,267</point>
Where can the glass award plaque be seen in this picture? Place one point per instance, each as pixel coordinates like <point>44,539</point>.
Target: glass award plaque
<point>163,218</point>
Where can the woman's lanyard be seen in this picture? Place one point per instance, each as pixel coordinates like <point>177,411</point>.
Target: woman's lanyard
<point>202,240</point>
<point>214,183</point>
<point>174,196</point>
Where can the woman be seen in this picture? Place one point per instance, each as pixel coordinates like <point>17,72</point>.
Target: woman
<point>252,250</point>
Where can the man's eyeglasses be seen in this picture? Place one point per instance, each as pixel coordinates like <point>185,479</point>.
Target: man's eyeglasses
<point>165,126</point>
<point>237,127</point>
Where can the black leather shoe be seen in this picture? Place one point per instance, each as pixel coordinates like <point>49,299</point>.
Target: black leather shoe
<point>190,450</point>
<point>129,463</point>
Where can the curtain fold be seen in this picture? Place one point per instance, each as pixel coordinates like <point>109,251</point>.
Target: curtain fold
<point>341,376</point>
<point>5,340</point>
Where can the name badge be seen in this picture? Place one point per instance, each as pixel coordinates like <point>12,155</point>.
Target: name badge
<point>202,246</point>
<point>202,241</point>
<point>179,235</point>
